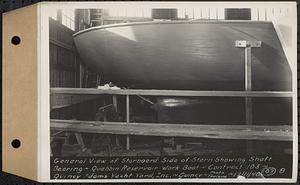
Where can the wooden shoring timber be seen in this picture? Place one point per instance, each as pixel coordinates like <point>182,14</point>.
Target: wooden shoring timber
<point>94,91</point>
<point>240,132</point>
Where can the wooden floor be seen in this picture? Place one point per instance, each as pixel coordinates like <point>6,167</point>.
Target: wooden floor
<point>244,132</point>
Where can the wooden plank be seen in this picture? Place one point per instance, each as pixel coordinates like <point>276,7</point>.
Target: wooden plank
<point>241,132</point>
<point>94,91</point>
<point>58,101</point>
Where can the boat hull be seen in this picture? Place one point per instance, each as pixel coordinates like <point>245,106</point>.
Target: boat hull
<point>193,56</point>
<point>185,55</point>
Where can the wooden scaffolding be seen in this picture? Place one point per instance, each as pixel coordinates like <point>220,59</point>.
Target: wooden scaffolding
<point>62,97</point>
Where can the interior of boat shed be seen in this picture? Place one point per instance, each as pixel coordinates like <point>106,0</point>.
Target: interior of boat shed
<point>107,105</point>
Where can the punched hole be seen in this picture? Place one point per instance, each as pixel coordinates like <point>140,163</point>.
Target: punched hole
<point>16,143</point>
<point>15,40</point>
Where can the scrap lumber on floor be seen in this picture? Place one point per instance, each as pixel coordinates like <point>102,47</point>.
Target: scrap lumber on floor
<point>246,132</point>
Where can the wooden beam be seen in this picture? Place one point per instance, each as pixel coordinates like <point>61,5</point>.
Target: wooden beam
<point>93,91</point>
<point>61,44</point>
<point>58,101</point>
<point>241,132</point>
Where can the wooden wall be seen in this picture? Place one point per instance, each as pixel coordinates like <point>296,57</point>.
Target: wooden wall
<point>64,62</point>
<point>65,72</point>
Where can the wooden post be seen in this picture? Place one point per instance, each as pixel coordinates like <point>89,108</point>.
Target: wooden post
<point>127,121</point>
<point>117,141</point>
<point>67,139</point>
<point>248,100</point>
<point>115,106</point>
<point>248,84</point>
<point>115,102</point>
